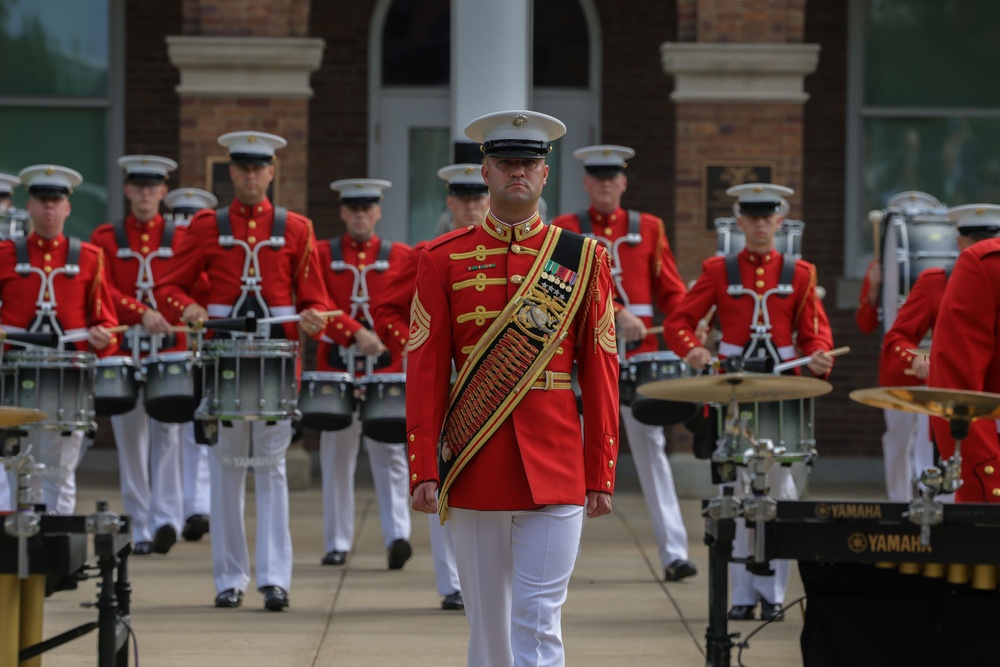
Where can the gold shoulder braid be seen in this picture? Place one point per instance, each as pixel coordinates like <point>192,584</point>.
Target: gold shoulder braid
<point>514,351</point>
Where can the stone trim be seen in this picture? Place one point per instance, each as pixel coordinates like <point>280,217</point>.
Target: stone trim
<point>739,73</point>
<point>245,66</point>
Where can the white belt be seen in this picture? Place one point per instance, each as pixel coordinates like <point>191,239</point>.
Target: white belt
<point>641,309</point>
<point>222,310</point>
<point>12,329</point>
<point>786,352</point>
<point>71,332</point>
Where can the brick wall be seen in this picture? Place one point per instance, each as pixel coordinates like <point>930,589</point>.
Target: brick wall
<point>247,18</point>
<point>746,21</point>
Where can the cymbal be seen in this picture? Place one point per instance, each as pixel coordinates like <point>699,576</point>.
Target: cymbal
<point>14,416</point>
<point>741,387</point>
<point>934,401</point>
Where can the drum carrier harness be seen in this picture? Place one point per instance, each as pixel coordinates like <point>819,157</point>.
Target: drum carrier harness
<point>251,302</point>
<point>144,281</point>
<point>341,357</point>
<point>760,353</point>
<point>46,312</point>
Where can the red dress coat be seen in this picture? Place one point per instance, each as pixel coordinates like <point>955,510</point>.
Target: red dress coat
<point>915,318</point>
<point>650,272</point>
<point>82,301</point>
<point>289,273</point>
<point>123,272</point>
<point>391,323</point>
<point>866,315</point>
<point>966,356</point>
<point>800,313</point>
<point>538,455</point>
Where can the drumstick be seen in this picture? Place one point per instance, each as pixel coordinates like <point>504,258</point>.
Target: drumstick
<point>327,314</point>
<point>803,361</point>
<point>875,217</point>
<point>652,331</point>
<point>83,335</point>
<point>121,328</point>
<point>836,352</point>
<point>708,317</point>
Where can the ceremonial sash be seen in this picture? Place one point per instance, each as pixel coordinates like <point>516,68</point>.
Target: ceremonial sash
<point>514,351</point>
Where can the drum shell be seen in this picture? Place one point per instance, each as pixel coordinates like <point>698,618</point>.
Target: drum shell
<point>326,400</point>
<point>383,407</point>
<point>60,384</point>
<point>787,424</point>
<point>173,386</point>
<point>250,380</point>
<point>654,367</point>
<point>923,242</point>
<point>116,386</point>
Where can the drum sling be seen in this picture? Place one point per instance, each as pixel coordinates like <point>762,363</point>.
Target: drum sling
<point>338,356</point>
<point>143,293</point>
<point>47,315</point>
<point>514,351</point>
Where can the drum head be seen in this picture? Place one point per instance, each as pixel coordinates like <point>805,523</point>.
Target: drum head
<point>662,413</point>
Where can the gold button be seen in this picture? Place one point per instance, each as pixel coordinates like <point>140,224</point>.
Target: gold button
<point>132,306</point>
<point>252,224</point>
<point>124,301</point>
<point>760,271</point>
<point>48,296</point>
<point>767,258</point>
<point>996,493</point>
<point>516,249</point>
<point>413,457</point>
<point>48,269</point>
<point>251,240</point>
<point>988,470</point>
<point>362,255</point>
<point>607,231</point>
<point>611,464</point>
<point>242,209</point>
<point>145,249</point>
<point>361,266</point>
<point>517,280</point>
<point>609,485</point>
<point>145,237</point>
<point>340,325</point>
<point>611,441</point>
<point>39,243</point>
<point>47,257</point>
<point>759,283</point>
<point>412,437</point>
<point>260,209</point>
<point>252,271</point>
<point>414,477</point>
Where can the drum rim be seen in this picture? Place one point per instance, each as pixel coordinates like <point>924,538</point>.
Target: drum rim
<point>326,376</point>
<point>115,361</point>
<point>241,346</point>
<point>659,355</point>
<point>377,378</point>
<point>49,356</point>
<point>167,357</point>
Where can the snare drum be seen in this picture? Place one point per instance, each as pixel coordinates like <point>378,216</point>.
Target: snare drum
<point>787,424</point>
<point>641,369</point>
<point>327,400</point>
<point>116,386</point>
<point>730,239</point>
<point>60,384</point>
<point>249,380</point>
<point>173,386</point>
<point>383,410</point>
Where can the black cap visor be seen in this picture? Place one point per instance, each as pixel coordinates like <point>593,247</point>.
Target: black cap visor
<point>250,158</point>
<point>467,189</point>
<point>516,148</point>
<point>48,191</point>
<point>604,170</point>
<point>759,209</point>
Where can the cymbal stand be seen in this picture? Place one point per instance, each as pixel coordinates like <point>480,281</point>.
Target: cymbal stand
<point>924,510</point>
<point>24,522</point>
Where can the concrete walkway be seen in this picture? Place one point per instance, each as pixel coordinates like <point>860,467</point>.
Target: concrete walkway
<point>619,611</point>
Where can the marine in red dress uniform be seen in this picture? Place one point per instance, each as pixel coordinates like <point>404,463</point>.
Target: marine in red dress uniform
<point>517,505</point>
<point>866,315</point>
<point>965,354</point>
<point>646,274</point>
<point>82,304</point>
<point>365,284</point>
<point>798,326</point>
<point>289,285</point>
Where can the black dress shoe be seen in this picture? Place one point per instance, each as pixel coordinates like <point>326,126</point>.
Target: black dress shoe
<point>399,552</point>
<point>679,569</point>
<point>453,601</point>
<point>741,612</point>
<point>229,598</point>
<point>275,597</point>
<point>771,612</point>
<point>164,538</point>
<point>142,549</point>
<point>195,527</point>
<point>335,558</point>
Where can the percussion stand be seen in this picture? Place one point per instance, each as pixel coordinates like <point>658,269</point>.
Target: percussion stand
<point>924,510</point>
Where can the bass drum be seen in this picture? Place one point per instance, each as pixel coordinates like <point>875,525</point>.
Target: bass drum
<point>730,239</point>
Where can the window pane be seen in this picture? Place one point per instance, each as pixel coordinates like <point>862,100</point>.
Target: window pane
<point>54,47</point>
<point>416,46</point>
<point>71,138</point>
<point>430,149</point>
<point>955,159</point>
<point>931,52</point>
<point>561,45</point>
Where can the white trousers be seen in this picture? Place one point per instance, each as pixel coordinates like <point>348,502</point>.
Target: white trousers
<point>56,484</point>
<point>338,461</point>
<point>228,466</point>
<point>749,589</point>
<point>515,569</point>
<point>149,470</point>
<point>906,452</point>
<point>195,476</point>
<point>443,553</point>
<point>648,446</point>
<point>8,486</point>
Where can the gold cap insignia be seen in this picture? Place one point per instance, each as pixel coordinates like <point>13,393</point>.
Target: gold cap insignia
<point>519,120</point>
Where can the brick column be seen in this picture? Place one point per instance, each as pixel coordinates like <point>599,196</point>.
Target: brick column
<point>246,83</point>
